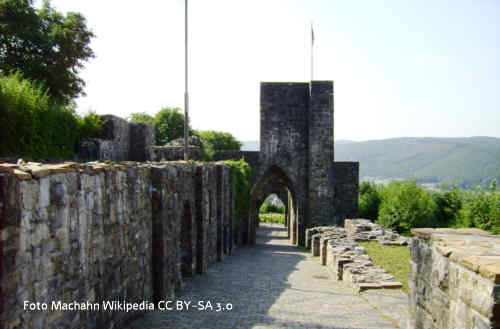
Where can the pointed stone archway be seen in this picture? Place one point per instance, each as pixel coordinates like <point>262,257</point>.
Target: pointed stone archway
<point>275,180</point>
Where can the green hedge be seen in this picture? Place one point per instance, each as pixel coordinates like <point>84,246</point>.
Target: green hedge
<point>34,126</point>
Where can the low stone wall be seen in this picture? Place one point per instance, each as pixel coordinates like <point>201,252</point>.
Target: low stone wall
<point>173,153</point>
<point>337,249</point>
<point>98,232</point>
<point>455,280</point>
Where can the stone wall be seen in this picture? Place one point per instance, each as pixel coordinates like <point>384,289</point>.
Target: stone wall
<point>101,232</point>
<point>455,280</point>
<point>345,176</point>
<point>118,140</point>
<point>142,136</point>
<point>321,190</point>
<point>338,249</point>
<point>173,153</point>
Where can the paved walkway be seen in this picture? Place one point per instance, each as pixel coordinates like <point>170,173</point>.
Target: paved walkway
<point>276,285</point>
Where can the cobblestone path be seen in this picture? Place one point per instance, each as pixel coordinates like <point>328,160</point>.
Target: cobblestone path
<point>276,285</point>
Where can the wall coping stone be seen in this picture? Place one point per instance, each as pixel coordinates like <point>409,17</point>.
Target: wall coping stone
<point>33,170</point>
<point>475,249</point>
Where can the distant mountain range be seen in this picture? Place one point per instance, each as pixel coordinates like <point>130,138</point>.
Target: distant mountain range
<point>468,161</point>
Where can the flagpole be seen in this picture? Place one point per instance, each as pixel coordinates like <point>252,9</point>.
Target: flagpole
<point>186,94</point>
<point>312,51</point>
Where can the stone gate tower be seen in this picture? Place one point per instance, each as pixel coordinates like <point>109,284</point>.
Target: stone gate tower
<point>296,158</point>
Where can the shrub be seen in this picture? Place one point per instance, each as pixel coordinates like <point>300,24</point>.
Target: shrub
<point>481,209</point>
<point>404,206</point>
<point>90,125</point>
<point>240,177</point>
<point>448,205</point>
<point>369,200</point>
<point>272,218</point>
<point>33,125</point>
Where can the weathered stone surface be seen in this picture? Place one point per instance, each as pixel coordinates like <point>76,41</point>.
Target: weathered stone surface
<point>192,141</point>
<point>142,136</point>
<point>119,140</point>
<point>454,280</point>
<point>347,261</point>
<point>173,153</point>
<point>103,231</point>
<point>365,230</point>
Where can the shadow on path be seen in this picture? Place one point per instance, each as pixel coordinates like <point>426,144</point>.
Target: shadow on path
<point>270,285</point>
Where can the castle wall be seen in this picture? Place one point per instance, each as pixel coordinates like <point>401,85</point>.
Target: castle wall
<point>142,136</point>
<point>455,279</point>
<point>173,153</point>
<point>118,140</point>
<point>344,178</point>
<point>99,232</point>
<point>321,190</point>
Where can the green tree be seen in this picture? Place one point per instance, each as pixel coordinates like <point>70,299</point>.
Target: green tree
<point>448,205</point>
<point>45,46</point>
<point>369,200</point>
<point>141,117</point>
<point>405,205</point>
<point>481,209</point>
<point>216,141</point>
<point>168,123</point>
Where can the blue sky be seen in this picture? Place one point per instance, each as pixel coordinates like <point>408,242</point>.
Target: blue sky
<point>400,68</point>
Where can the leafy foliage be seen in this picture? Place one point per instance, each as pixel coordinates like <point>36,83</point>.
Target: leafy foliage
<point>142,117</point>
<point>33,125</point>
<point>448,204</point>
<point>45,46</point>
<point>216,141</point>
<point>369,200</point>
<point>90,125</point>
<point>270,206</point>
<point>272,217</point>
<point>404,206</point>
<point>168,123</point>
<point>240,177</point>
<point>481,209</point>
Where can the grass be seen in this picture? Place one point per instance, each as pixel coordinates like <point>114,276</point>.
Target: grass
<point>272,217</point>
<point>393,259</point>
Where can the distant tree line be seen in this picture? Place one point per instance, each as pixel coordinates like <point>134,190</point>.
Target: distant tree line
<point>404,205</point>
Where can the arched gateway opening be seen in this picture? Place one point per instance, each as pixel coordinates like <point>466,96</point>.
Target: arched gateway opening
<point>274,181</point>
<point>273,209</point>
